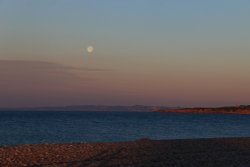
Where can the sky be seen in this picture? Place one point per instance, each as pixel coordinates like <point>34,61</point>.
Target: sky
<point>149,52</point>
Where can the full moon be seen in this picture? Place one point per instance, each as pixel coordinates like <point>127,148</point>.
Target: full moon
<point>90,49</point>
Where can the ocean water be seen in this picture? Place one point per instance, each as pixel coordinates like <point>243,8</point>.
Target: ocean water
<point>22,127</point>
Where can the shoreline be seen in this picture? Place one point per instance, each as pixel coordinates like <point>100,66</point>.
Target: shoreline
<point>140,153</point>
<point>216,110</point>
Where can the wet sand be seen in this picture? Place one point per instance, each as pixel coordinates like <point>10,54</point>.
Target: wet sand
<point>224,152</point>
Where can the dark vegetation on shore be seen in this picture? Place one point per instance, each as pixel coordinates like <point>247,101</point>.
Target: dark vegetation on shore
<point>224,152</point>
<point>244,109</point>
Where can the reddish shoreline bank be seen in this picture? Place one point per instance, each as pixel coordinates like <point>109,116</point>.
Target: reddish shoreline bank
<point>224,152</point>
<point>218,110</point>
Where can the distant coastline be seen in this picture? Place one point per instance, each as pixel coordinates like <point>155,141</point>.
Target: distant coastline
<point>243,109</point>
<point>111,108</point>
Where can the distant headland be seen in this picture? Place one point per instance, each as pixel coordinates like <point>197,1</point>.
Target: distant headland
<point>242,109</point>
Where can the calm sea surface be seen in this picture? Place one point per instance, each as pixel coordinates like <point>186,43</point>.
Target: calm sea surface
<point>56,127</point>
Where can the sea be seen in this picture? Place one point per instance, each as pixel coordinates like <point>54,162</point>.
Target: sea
<point>32,127</point>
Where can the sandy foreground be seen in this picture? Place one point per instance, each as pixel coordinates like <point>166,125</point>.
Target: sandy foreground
<point>224,152</point>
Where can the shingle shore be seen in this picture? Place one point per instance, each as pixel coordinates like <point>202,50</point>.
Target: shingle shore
<point>224,152</point>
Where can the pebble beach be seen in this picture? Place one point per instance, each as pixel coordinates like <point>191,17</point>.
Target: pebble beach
<point>222,152</point>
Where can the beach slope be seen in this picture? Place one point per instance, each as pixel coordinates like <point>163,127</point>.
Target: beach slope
<point>223,152</point>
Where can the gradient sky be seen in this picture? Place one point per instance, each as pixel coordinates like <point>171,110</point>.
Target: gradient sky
<point>152,52</point>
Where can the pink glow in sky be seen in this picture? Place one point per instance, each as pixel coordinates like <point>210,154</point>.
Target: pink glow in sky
<point>145,52</point>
